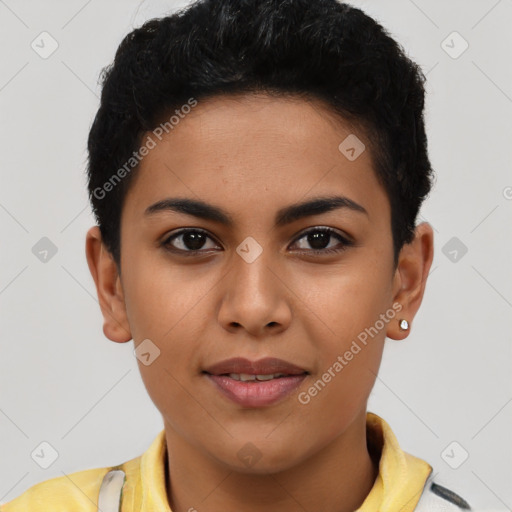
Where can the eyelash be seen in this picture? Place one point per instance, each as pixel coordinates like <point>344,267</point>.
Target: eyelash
<point>345,242</point>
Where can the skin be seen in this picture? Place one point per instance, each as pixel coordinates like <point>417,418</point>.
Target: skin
<point>253,155</point>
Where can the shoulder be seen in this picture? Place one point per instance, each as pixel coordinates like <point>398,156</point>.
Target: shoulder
<point>89,490</point>
<point>76,491</point>
<point>437,498</point>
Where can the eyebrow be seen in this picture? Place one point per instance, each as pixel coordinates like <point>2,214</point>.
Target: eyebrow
<point>283,217</point>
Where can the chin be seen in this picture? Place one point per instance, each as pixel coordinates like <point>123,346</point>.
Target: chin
<point>264,467</point>
<point>260,457</point>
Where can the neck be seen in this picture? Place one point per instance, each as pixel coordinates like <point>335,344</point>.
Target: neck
<point>336,478</point>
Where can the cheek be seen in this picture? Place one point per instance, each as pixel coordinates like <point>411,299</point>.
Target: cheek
<point>345,301</point>
<point>348,333</point>
<point>164,298</point>
<point>164,306</point>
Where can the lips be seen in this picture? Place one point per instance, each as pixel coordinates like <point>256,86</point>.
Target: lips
<point>265,366</point>
<point>255,383</point>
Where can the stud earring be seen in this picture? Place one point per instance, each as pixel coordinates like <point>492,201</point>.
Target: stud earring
<point>404,324</point>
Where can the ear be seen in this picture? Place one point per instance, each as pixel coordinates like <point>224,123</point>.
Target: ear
<point>108,287</point>
<point>414,262</point>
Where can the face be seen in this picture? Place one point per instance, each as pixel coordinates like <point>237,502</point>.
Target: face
<point>258,282</point>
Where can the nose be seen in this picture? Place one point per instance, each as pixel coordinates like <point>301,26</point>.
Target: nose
<point>255,297</point>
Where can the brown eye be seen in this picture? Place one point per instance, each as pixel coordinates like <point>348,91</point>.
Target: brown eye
<point>320,239</point>
<point>188,241</point>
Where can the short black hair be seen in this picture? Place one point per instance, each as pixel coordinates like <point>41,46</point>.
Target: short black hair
<point>324,50</point>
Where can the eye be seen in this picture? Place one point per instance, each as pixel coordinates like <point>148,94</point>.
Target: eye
<point>188,241</point>
<point>320,237</point>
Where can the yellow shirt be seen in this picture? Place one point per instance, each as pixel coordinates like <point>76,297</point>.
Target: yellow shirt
<point>397,487</point>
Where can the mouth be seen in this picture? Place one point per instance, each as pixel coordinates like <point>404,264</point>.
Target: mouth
<point>255,383</point>
<point>262,367</point>
<point>247,377</point>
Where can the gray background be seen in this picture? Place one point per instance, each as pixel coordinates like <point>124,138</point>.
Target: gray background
<point>63,382</point>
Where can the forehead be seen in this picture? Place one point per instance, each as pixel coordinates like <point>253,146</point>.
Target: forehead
<point>255,152</point>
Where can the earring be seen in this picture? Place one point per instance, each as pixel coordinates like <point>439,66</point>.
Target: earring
<point>404,324</point>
